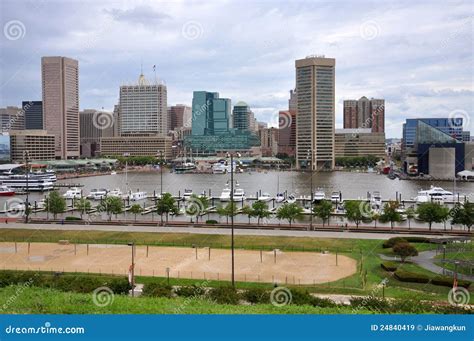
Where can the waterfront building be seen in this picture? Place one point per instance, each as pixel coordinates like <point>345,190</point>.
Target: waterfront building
<point>39,143</point>
<point>315,87</point>
<point>293,101</point>
<point>94,125</point>
<point>149,145</point>
<point>365,113</point>
<point>60,83</point>
<point>241,115</point>
<point>12,118</point>
<point>143,108</point>
<point>269,141</point>
<point>287,132</point>
<point>359,142</point>
<point>33,114</point>
<point>179,116</point>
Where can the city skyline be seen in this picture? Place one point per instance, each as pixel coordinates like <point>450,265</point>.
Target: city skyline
<point>421,74</point>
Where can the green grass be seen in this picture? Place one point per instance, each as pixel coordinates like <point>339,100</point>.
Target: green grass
<point>48,301</point>
<point>462,256</point>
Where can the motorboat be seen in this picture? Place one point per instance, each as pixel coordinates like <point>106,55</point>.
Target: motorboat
<point>138,195</point>
<point>185,167</point>
<point>32,182</point>
<point>336,197</point>
<point>280,197</point>
<point>6,191</point>
<point>115,193</point>
<point>113,173</point>
<point>319,195</point>
<point>239,194</point>
<point>225,195</point>
<point>187,194</point>
<point>97,194</point>
<point>264,197</point>
<point>219,168</point>
<point>376,199</point>
<point>435,194</point>
<point>291,199</point>
<point>73,193</point>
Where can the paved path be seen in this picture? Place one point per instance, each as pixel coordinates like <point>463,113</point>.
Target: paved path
<point>206,230</point>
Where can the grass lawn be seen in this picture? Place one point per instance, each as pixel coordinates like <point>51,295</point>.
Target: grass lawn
<point>465,255</point>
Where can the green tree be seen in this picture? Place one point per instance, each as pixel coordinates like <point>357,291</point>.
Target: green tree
<point>83,205</point>
<point>196,206</point>
<point>375,217</point>
<point>111,205</point>
<point>260,210</point>
<point>228,210</point>
<point>410,212</point>
<point>55,203</point>
<point>290,212</point>
<point>444,215</point>
<point>463,214</point>
<point>323,210</point>
<point>166,205</point>
<point>430,212</point>
<point>356,211</point>
<point>136,209</point>
<point>248,211</point>
<point>404,250</point>
<point>390,213</point>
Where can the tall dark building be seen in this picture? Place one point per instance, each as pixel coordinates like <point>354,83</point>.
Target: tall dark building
<point>33,114</point>
<point>365,113</point>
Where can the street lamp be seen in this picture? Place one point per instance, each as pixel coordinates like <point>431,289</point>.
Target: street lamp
<point>26,156</point>
<point>132,244</point>
<point>308,154</point>
<point>231,155</point>
<point>160,152</point>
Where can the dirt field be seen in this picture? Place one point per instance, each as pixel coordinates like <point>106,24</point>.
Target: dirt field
<point>289,267</point>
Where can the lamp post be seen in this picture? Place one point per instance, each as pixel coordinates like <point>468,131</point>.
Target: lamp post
<point>310,152</point>
<point>160,152</point>
<point>132,244</point>
<point>232,213</point>
<point>26,156</point>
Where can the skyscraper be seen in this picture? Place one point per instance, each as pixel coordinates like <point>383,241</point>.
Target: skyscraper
<point>60,78</point>
<point>143,108</point>
<point>350,114</point>
<point>315,87</point>
<point>211,114</point>
<point>365,113</point>
<point>179,116</point>
<point>33,114</point>
<point>241,116</point>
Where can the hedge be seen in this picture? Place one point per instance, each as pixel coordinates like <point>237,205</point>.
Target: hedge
<point>395,240</point>
<point>65,282</point>
<point>211,222</point>
<point>406,276</point>
<point>390,266</point>
<point>156,289</point>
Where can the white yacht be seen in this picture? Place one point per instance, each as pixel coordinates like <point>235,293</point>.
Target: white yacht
<point>319,195</point>
<point>219,168</point>
<point>97,194</point>
<point>376,200</point>
<point>73,193</point>
<point>435,194</point>
<point>187,194</point>
<point>115,193</point>
<point>280,197</point>
<point>32,181</point>
<point>239,194</point>
<point>136,196</point>
<point>336,197</point>
<point>291,199</point>
<point>225,195</point>
<point>264,197</point>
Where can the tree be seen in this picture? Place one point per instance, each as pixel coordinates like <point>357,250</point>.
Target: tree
<point>356,211</point>
<point>323,210</point>
<point>55,203</point>
<point>430,212</point>
<point>83,205</point>
<point>410,213</point>
<point>166,205</point>
<point>247,210</point>
<point>290,212</point>
<point>196,206</point>
<point>111,205</point>
<point>260,210</point>
<point>375,217</point>
<point>444,215</point>
<point>390,213</point>
<point>463,214</point>
<point>228,210</point>
<point>404,250</point>
<point>136,209</point>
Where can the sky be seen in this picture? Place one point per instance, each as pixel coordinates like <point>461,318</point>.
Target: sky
<point>417,55</point>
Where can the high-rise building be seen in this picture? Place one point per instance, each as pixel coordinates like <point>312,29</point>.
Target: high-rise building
<point>33,114</point>
<point>60,78</point>
<point>211,114</point>
<point>287,132</point>
<point>269,141</point>
<point>39,144</point>
<point>293,101</point>
<point>365,113</point>
<point>143,108</point>
<point>315,87</point>
<point>12,118</point>
<point>94,126</point>
<point>179,116</point>
<point>241,115</point>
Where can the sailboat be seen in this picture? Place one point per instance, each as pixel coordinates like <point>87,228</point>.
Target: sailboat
<point>185,166</point>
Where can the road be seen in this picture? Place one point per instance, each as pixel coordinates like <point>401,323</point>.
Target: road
<point>206,230</point>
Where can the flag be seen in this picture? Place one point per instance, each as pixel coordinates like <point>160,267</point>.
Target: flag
<point>154,67</point>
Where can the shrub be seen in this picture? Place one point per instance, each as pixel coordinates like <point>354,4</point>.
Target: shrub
<point>404,250</point>
<point>389,266</point>
<point>371,303</point>
<point>256,295</point>
<point>448,281</point>
<point>224,295</point>
<point>71,218</point>
<point>156,289</point>
<point>300,297</point>
<point>406,276</point>
<point>322,302</point>
<point>211,222</point>
<point>189,291</point>
<point>392,241</point>
<point>417,239</point>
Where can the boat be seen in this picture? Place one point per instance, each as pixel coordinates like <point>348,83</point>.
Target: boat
<point>436,194</point>
<point>113,173</point>
<point>280,197</point>
<point>136,196</point>
<point>225,195</point>
<point>291,199</point>
<point>219,168</point>
<point>185,167</point>
<point>115,193</point>
<point>376,200</point>
<point>6,191</point>
<point>239,194</point>
<point>31,181</point>
<point>187,194</point>
<point>97,194</point>
<point>73,193</point>
<point>336,197</point>
<point>319,195</point>
<point>264,197</point>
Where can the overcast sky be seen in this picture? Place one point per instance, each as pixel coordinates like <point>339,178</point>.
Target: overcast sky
<point>418,55</point>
